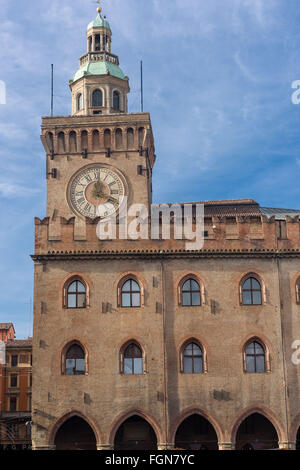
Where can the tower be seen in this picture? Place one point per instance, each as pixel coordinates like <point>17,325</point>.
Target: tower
<point>100,143</point>
<point>94,158</point>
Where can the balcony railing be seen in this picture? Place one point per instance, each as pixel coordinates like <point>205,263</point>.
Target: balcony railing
<point>98,56</point>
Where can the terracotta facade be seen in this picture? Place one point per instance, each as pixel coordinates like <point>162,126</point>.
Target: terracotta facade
<point>242,241</point>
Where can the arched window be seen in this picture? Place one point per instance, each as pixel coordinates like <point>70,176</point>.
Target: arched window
<point>49,138</point>
<point>130,294</point>
<point>116,100</point>
<point>193,359</point>
<point>61,142</point>
<point>255,360</point>
<point>251,292</point>
<point>73,142</point>
<point>190,293</point>
<point>90,43</point>
<point>141,134</point>
<point>119,138</point>
<point>76,294</point>
<point>96,140</point>
<point>97,99</point>
<point>84,140</point>
<point>130,138</point>
<point>75,360</point>
<point>133,360</point>
<point>107,138</point>
<point>79,102</point>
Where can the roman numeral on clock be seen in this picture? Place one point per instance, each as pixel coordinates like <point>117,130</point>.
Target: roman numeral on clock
<point>88,184</point>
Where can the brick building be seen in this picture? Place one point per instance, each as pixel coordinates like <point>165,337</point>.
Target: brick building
<point>15,391</point>
<point>142,344</point>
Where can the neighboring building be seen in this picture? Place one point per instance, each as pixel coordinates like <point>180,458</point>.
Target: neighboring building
<point>16,384</point>
<point>7,332</point>
<point>143,344</point>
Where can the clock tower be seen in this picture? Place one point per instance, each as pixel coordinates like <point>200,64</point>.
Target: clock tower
<point>95,158</point>
<point>101,153</point>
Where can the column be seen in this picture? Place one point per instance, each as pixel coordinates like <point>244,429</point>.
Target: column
<point>105,447</point>
<point>226,446</point>
<point>287,445</point>
<point>165,446</point>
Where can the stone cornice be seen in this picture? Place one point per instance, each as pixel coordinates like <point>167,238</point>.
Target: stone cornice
<point>163,254</point>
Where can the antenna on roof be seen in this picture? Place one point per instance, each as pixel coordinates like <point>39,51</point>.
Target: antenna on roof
<point>51,111</point>
<point>142,89</point>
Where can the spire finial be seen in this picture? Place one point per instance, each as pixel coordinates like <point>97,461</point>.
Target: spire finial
<point>99,9</point>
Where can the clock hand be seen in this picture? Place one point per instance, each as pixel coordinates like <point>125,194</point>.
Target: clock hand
<point>113,199</point>
<point>109,198</point>
<point>97,189</point>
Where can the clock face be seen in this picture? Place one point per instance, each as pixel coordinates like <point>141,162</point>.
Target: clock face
<point>97,192</point>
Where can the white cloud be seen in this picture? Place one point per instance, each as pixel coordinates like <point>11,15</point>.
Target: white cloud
<point>12,131</point>
<point>244,69</point>
<point>11,190</point>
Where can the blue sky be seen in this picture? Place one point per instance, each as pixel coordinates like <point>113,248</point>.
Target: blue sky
<point>218,78</point>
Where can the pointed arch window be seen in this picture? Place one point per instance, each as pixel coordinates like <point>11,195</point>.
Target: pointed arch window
<point>61,142</point>
<point>251,292</point>
<point>49,138</point>
<point>96,140</point>
<point>193,359</point>
<point>190,293</point>
<point>133,360</point>
<point>119,138</point>
<point>97,99</point>
<point>76,294</point>
<point>255,358</point>
<point>75,360</point>
<point>73,142</point>
<point>116,100</point>
<point>107,138</point>
<point>130,138</point>
<point>84,140</point>
<point>130,294</point>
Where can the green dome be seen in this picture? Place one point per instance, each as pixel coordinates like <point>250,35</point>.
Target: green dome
<point>99,68</point>
<point>98,23</point>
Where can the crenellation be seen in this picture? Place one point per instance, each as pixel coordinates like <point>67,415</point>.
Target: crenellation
<point>64,232</point>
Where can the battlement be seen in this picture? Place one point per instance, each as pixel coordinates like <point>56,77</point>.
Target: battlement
<point>220,233</point>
